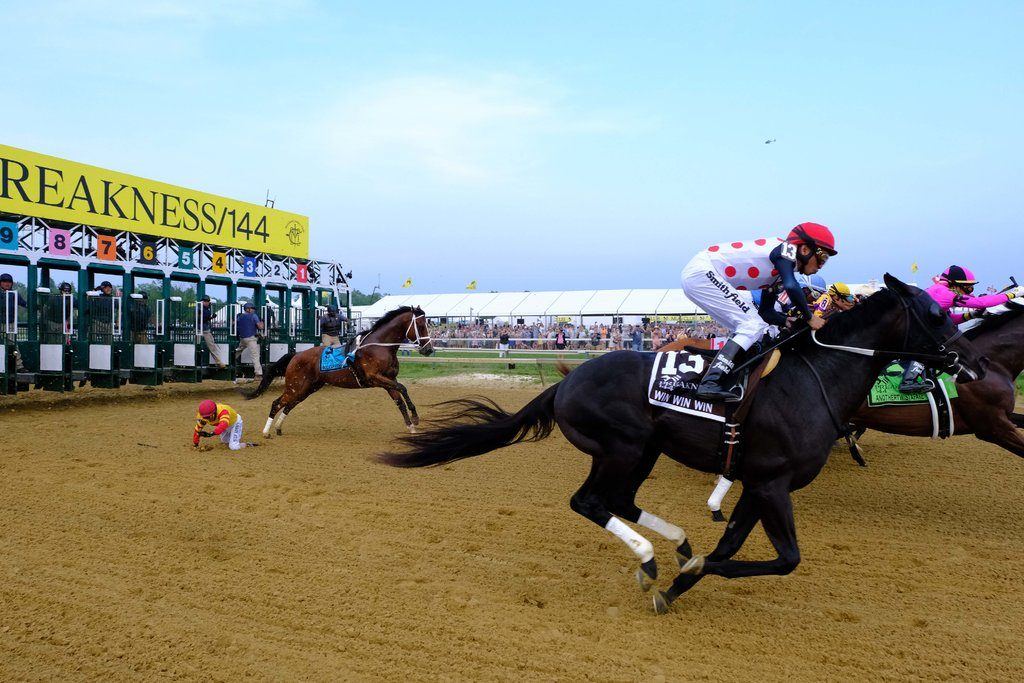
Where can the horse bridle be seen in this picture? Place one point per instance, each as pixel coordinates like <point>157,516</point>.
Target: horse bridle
<point>948,358</point>
<point>413,327</point>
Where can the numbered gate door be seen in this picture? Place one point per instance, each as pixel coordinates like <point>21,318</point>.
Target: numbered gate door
<point>302,329</point>
<point>222,327</point>
<point>184,328</point>
<point>8,342</point>
<point>56,326</point>
<point>277,332</point>
<point>147,326</point>
<point>104,336</point>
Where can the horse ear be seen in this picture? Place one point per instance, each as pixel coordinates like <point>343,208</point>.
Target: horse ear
<point>896,285</point>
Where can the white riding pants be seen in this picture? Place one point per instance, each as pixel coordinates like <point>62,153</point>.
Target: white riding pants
<point>232,436</point>
<point>730,307</point>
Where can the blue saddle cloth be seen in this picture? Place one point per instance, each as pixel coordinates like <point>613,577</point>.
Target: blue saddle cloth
<point>335,358</point>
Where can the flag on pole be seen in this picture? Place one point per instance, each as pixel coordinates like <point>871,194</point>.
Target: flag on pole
<point>408,283</point>
<point>913,268</point>
<point>471,285</point>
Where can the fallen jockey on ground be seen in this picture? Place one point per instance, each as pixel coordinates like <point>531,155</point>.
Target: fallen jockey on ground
<point>219,419</point>
<point>952,290</point>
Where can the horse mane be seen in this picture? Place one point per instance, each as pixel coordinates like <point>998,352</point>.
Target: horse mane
<point>994,322</point>
<point>391,315</point>
<point>841,324</point>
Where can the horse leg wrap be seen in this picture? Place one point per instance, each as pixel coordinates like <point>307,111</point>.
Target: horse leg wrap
<point>660,526</point>
<point>266,429</point>
<point>637,543</point>
<point>718,495</point>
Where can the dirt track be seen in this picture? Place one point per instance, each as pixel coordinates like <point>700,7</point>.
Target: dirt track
<point>302,559</point>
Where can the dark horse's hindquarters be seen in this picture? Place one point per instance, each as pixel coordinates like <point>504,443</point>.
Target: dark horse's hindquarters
<point>602,409</point>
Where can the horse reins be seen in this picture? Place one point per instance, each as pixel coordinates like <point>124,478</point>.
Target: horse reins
<point>408,338</point>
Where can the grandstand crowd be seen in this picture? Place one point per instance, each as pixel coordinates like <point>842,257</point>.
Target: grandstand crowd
<point>555,336</point>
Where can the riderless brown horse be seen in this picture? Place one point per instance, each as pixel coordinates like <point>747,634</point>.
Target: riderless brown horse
<point>375,365</point>
<point>985,407</point>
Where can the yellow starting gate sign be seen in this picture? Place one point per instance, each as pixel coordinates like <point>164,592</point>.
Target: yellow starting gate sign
<point>33,184</point>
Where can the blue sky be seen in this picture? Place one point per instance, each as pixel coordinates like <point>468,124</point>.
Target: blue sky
<point>552,145</point>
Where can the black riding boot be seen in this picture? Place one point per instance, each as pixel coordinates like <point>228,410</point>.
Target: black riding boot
<point>913,382</point>
<point>716,385</point>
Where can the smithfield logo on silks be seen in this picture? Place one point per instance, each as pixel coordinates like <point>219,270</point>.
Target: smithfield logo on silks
<point>294,231</point>
<point>729,294</point>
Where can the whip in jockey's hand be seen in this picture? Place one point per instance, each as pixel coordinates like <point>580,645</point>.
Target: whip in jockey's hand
<point>225,423</point>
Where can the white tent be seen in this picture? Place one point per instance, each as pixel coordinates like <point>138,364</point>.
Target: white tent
<point>512,305</point>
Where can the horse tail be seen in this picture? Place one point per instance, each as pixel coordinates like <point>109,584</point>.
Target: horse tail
<point>475,426</point>
<point>563,368</point>
<point>271,373</point>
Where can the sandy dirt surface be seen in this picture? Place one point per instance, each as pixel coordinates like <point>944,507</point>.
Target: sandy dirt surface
<point>303,559</point>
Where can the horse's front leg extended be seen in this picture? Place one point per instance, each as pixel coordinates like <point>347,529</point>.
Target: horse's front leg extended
<point>396,396</point>
<point>776,508</point>
<point>742,521</point>
<point>408,401</point>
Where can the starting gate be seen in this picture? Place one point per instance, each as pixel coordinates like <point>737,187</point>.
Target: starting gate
<point>222,327</point>
<point>276,332</point>
<point>104,335</point>
<point>8,342</point>
<point>56,335</point>
<point>184,330</point>
<point>304,329</point>
<point>147,328</point>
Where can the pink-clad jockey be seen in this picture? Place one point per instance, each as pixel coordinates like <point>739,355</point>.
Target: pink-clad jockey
<point>954,289</point>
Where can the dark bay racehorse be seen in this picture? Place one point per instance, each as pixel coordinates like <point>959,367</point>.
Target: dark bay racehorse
<point>984,408</point>
<point>796,415</point>
<point>376,365</point>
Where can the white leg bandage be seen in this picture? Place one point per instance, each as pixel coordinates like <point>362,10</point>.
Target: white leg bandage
<point>660,526</point>
<point>721,488</point>
<point>637,543</point>
<point>279,420</point>
<point>266,429</point>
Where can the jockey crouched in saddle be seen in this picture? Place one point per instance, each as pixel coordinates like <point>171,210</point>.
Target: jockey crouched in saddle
<point>953,289</point>
<point>722,280</point>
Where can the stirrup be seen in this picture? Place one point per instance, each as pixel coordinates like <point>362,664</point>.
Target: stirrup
<point>716,392</point>
<point>919,385</point>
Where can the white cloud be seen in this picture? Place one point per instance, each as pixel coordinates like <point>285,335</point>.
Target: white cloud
<point>453,130</point>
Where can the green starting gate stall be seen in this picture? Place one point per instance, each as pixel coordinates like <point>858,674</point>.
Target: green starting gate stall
<point>164,244</point>
<point>56,336</point>
<point>105,336</point>
<point>8,342</point>
<point>147,325</point>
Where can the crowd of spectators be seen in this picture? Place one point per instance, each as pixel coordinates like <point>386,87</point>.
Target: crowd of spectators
<point>557,336</point>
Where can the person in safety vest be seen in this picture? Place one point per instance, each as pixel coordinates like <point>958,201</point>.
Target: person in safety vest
<point>721,278</point>
<point>219,419</point>
<point>953,289</point>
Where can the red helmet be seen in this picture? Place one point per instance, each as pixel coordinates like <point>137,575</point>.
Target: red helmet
<point>207,409</point>
<point>814,235</point>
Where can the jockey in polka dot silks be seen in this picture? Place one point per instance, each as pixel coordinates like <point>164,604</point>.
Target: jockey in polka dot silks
<point>721,280</point>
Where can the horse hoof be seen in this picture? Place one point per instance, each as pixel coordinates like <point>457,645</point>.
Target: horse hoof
<point>684,552</point>
<point>647,574</point>
<point>643,581</point>
<point>412,429</point>
<point>279,432</point>
<point>717,516</point>
<point>661,603</point>
<point>694,567</point>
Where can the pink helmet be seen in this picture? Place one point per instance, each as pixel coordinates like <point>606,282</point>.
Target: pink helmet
<point>207,409</point>
<point>958,275</point>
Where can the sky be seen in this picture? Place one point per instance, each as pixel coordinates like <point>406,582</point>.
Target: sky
<point>552,145</point>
